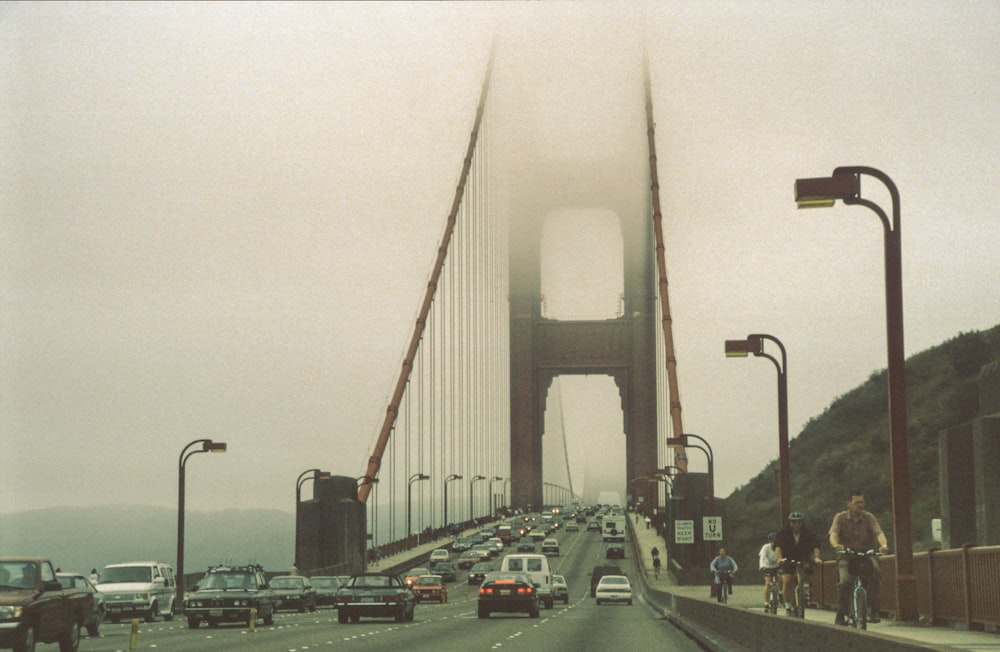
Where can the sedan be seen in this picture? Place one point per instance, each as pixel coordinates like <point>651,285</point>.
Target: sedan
<point>614,588</point>
<point>507,593</point>
<point>468,558</point>
<point>412,575</point>
<point>375,595</point>
<point>294,592</point>
<point>479,571</point>
<point>560,590</point>
<point>615,551</point>
<point>526,545</point>
<point>326,589</point>
<point>430,587</point>
<point>93,620</point>
<point>446,570</point>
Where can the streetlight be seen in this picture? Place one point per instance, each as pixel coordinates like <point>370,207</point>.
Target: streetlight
<point>317,475</point>
<point>506,501</point>
<point>755,344</point>
<point>707,450</point>
<point>409,489</point>
<point>493,509</point>
<point>472,481</point>
<point>453,476</point>
<point>845,184</point>
<point>207,446</point>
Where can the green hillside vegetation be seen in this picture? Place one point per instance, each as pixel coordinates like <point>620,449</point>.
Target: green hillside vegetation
<point>847,447</point>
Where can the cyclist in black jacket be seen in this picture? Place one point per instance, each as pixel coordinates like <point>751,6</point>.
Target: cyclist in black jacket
<point>794,542</point>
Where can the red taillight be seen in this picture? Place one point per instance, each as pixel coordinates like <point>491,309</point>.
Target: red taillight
<point>485,590</point>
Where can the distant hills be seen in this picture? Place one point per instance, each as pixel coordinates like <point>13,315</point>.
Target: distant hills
<point>81,538</point>
<point>847,447</point>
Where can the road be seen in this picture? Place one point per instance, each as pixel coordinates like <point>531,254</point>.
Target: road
<point>578,625</point>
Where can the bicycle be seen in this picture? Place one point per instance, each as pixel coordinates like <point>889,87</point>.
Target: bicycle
<point>859,564</point>
<point>656,568</point>
<point>725,585</point>
<point>774,594</point>
<point>800,589</point>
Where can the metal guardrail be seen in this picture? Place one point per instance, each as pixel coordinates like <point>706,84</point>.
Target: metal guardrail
<point>953,586</point>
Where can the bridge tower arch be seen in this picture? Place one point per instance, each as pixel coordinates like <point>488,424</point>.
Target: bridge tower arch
<point>623,347</point>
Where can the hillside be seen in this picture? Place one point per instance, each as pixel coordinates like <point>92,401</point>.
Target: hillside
<point>79,539</point>
<point>847,447</point>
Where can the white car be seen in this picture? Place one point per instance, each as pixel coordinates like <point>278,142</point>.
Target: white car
<point>614,588</point>
<point>441,554</point>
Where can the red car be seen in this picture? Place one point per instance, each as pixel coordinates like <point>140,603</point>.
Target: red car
<point>430,587</point>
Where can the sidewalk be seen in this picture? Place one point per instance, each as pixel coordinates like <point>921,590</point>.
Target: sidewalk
<point>752,598</point>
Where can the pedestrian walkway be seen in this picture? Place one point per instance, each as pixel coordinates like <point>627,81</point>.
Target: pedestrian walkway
<point>750,597</point>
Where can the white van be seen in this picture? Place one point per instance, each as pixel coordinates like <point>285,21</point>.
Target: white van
<point>139,588</point>
<point>535,566</point>
<point>613,528</point>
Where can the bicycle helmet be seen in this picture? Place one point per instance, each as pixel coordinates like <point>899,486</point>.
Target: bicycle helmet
<point>795,516</point>
<point>772,536</point>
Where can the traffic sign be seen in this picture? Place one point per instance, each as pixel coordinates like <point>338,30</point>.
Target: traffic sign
<point>683,531</point>
<point>711,528</point>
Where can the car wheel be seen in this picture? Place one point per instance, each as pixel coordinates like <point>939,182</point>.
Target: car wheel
<point>94,628</point>
<point>355,619</point>
<point>630,603</point>
<point>598,602</point>
<point>27,642</point>
<point>150,615</point>
<point>533,612</point>
<point>269,617</point>
<point>71,641</point>
<point>443,599</point>
<point>115,620</point>
<point>411,614</point>
<point>484,613</point>
<point>302,608</point>
<point>342,618</point>
<point>400,615</point>
<point>548,603</point>
<point>212,622</point>
<point>193,622</point>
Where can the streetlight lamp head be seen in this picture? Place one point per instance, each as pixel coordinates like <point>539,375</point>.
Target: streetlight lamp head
<point>737,349</point>
<point>214,447</point>
<point>823,192</point>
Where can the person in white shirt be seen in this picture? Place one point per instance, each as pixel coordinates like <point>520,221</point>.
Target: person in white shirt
<point>768,565</point>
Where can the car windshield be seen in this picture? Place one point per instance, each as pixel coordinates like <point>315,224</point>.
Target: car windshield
<point>428,580</point>
<point>326,582</point>
<point>287,583</point>
<point>123,574</point>
<point>228,581</point>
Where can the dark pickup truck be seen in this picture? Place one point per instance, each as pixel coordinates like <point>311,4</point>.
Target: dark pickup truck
<point>34,608</point>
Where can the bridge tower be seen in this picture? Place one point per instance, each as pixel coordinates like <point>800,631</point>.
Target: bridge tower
<point>623,347</point>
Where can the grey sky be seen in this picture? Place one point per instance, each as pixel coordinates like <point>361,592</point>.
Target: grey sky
<point>218,220</point>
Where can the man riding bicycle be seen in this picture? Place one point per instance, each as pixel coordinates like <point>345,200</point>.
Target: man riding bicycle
<point>794,543</point>
<point>859,530</point>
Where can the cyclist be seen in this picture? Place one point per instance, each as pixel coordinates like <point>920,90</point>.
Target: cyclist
<point>795,542</point>
<point>723,564</point>
<point>768,565</point>
<point>855,528</point>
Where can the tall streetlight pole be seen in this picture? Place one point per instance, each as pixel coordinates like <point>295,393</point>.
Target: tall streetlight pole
<point>207,446</point>
<point>493,509</point>
<point>506,500</point>
<point>845,184</point>
<point>416,477</point>
<point>453,476</point>
<point>472,484</point>
<point>316,475</point>
<point>707,450</point>
<point>755,344</point>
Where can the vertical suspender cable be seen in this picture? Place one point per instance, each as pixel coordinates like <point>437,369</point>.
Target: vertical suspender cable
<point>375,461</point>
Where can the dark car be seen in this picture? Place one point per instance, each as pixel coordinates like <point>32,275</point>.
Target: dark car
<point>326,589</point>
<point>294,593</point>
<point>526,545</point>
<point>226,594</point>
<point>507,593</point>
<point>446,570</point>
<point>615,551</point>
<point>375,595</point>
<point>479,571</point>
<point>80,581</point>
<point>599,572</point>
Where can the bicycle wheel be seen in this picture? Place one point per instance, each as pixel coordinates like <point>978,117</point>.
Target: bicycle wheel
<point>861,608</point>
<point>800,605</point>
<point>775,599</point>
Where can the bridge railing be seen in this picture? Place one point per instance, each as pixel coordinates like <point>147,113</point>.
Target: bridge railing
<point>957,585</point>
